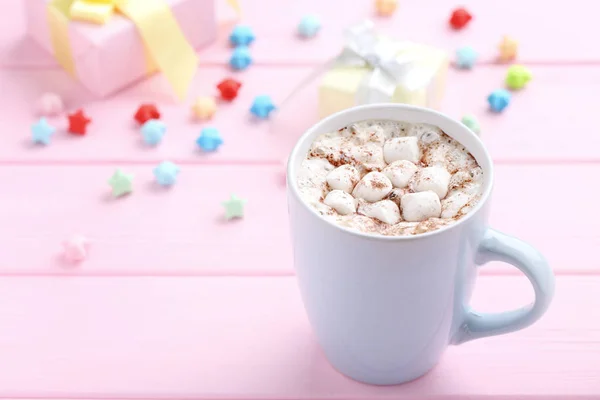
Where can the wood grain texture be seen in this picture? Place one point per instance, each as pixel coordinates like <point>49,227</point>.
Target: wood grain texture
<point>248,338</point>
<point>145,317</point>
<point>181,230</point>
<point>426,21</point>
<point>555,101</point>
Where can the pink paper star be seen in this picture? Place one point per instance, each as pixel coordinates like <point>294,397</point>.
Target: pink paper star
<point>76,248</point>
<point>50,105</point>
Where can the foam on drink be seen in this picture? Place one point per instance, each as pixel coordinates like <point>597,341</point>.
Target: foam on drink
<point>390,177</point>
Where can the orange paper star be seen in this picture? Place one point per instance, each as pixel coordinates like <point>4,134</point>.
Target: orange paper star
<point>508,49</point>
<point>386,7</point>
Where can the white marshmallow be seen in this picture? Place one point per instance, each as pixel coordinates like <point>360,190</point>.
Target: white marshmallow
<point>373,187</point>
<point>341,202</point>
<point>385,210</point>
<point>399,172</point>
<point>370,153</point>
<point>343,178</point>
<point>420,206</point>
<point>314,170</point>
<point>402,148</point>
<point>429,137</point>
<point>435,179</point>
<point>454,203</point>
<point>427,134</point>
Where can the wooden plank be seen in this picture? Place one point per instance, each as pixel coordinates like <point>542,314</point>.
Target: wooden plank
<point>248,338</point>
<point>537,125</point>
<point>114,135</point>
<point>519,134</point>
<point>425,21</point>
<point>154,230</point>
<point>180,231</point>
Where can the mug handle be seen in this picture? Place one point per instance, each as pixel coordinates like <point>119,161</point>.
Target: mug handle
<point>497,246</point>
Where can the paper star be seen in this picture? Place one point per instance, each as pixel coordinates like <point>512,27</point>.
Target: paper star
<point>146,112</point>
<point>229,89</point>
<point>153,131</point>
<point>209,139</point>
<point>41,131</point>
<point>309,26</point>
<point>241,58</point>
<point>234,207</point>
<point>78,123</point>
<point>262,106</point>
<point>460,18</point>
<point>166,173</point>
<point>471,122</point>
<point>50,104</point>
<point>76,248</point>
<point>386,7</point>
<point>241,35</point>
<point>499,100</point>
<point>466,57</point>
<point>508,49</point>
<point>121,183</point>
<point>517,77</point>
<point>204,108</point>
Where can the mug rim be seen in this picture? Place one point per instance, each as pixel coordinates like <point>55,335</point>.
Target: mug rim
<point>484,158</point>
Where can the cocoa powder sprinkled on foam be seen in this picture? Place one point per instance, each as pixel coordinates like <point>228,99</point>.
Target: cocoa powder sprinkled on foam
<point>377,183</point>
<point>361,145</point>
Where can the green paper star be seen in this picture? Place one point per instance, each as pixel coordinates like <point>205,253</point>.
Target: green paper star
<point>471,122</point>
<point>234,207</point>
<point>517,77</point>
<point>121,183</point>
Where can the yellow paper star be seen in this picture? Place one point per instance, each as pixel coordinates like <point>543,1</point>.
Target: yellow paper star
<point>508,49</point>
<point>386,7</point>
<point>204,107</point>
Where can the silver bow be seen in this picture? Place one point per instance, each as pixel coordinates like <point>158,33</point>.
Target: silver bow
<point>388,63</point>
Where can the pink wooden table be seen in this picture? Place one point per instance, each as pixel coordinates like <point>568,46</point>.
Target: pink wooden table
<point>175,303</point>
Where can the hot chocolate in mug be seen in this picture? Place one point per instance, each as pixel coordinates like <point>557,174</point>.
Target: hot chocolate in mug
<point>385,308</point>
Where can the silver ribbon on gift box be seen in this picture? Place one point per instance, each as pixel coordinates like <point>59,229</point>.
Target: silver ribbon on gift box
<point>391,64</point>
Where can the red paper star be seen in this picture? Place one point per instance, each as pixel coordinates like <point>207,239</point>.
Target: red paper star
<point>146,112</point>
<point>460,17</point>
<point>229,89</point>
<point>78,123</point>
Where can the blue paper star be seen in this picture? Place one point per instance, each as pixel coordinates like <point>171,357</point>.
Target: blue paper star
<point>466,57</point>
<point>241,35</point>
<point>210,139</point>
<point>41,131</point>
<point>309,26</point>
<point>153,131</point>
<point>262,106</point>
<point>241,58</point>
<point>166,173</point>
<point>499,100</point>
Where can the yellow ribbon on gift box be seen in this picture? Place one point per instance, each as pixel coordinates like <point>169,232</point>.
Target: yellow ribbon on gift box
<point>166,46</point>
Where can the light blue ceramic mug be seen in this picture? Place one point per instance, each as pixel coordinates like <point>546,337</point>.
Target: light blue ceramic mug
<point>384,309</point>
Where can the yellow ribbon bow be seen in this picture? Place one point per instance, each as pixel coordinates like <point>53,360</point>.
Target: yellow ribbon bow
<point>163,39</point>
<point>97,11</point>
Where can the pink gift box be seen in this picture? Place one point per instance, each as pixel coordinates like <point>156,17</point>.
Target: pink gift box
<point>111,56</point>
